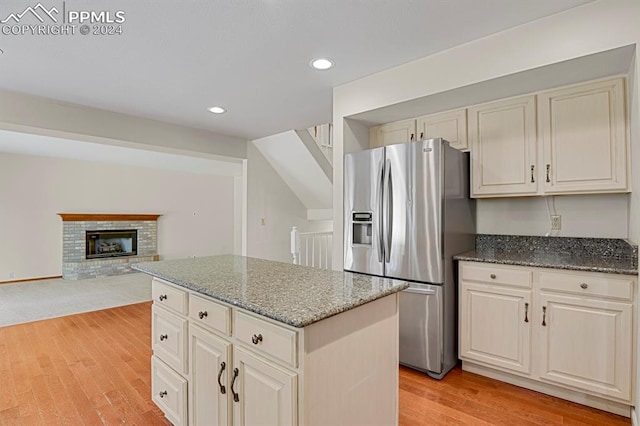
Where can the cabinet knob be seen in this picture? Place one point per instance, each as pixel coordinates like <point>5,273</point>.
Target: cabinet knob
<point>584,286</point>
<point>493,276</point>
<point>163,297</point>
<point>202,314</point>
<point>256,339</point>
<point>162,394</point>
<point>163,337</point>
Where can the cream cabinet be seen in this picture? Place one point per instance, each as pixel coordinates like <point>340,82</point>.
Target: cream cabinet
<point>494,317</point>
<point>449,125</point>
<point>504,158</point>
<point>571,334</point>
<point>392,133</point>
<point>584,138</point>
<point>223,365</point>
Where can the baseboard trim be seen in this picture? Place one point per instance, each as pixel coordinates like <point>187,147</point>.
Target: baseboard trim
<point>30,279</point>
<point>634,417</point>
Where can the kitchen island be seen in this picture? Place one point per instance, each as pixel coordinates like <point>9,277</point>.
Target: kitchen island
<point>238,340</point>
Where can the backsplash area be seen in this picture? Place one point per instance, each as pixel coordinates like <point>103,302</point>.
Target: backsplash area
<point>596,216</point>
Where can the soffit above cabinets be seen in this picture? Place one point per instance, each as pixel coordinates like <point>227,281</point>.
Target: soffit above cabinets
<point>577,70</point>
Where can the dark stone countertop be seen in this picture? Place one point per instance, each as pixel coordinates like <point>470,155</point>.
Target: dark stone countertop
<point>615,256</point>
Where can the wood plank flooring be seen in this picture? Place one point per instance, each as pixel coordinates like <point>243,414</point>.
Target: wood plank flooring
<point>94,369</point>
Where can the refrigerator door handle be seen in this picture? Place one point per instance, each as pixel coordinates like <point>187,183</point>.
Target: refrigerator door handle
<point>388,211</point>
<point>380,203</point>
<point>416,290</point>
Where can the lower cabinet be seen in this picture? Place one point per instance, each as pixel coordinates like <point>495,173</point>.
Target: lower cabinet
<point>566,333</point>
<point>216,364</point>
<point>209,389</point>
<point>497,330</point>
<point>266,394</point>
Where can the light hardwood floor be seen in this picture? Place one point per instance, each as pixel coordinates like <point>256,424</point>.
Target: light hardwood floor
<point>94,369</point>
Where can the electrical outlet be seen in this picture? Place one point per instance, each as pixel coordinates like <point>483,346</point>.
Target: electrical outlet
<point>556,222</point>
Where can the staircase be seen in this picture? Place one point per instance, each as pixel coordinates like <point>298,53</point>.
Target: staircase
<point>303,159</point>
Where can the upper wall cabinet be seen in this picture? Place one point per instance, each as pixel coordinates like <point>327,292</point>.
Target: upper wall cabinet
<point>502,136</point>
<point>450,125</point>
<point>390,133</point>
<point>583,134</point>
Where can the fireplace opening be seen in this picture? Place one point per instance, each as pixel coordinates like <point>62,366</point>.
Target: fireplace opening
<point>112,243</point>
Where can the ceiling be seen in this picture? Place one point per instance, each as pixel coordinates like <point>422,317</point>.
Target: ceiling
<point>175,59</point>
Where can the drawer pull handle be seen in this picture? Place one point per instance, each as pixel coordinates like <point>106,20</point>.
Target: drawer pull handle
<point>223,390</point>
<point>584,286</point>
<point>526,312</point>
<point>256,339</point>
<point>202,314</point>
<point>493,276</point>
<point>163,394</point>
<point>544,316</point>
<point>236,397</point>
<point>163,337</point>
<point>163,297</point>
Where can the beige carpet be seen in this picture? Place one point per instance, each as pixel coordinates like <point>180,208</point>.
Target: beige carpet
<point>36,300</point>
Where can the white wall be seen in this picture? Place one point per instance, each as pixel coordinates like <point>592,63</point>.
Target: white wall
<point>598,216</point>
<point>270,198</point>
<point>34,189</point>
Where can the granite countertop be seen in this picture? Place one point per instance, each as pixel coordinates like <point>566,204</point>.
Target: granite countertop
<point>292,294</point>
<point>615,256</point>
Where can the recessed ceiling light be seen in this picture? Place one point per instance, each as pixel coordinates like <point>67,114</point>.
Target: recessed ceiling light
<point>217,110</point>
<point>322,63</point>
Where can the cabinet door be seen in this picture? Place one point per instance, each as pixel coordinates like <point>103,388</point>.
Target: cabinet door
<point>584,138</point>
<point>495,326</point>
<point>586,344</point>
<point>391,133</point>
<point>503,148</point>
<point>450,125</point>
<point>209,387</point>
<point>267,394</point>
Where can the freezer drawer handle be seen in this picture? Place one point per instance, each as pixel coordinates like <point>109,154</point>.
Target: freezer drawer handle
<point>424,291</point>
<point>526,312</point>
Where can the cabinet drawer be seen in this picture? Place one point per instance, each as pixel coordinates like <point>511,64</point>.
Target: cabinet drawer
<point>169,392</point>
<point>169,338</point>
<point>276,341</point>
<point>618,287</point>
<point>169,296</point>
<point>500,275</point>
<point>211,314</point>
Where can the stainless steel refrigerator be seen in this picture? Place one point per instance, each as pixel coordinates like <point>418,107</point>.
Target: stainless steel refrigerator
<point>406,213</point>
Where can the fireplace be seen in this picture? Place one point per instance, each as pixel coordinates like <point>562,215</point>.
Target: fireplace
<point>111,243</point>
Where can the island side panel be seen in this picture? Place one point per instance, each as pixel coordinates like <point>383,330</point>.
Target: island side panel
<point>350,367</point>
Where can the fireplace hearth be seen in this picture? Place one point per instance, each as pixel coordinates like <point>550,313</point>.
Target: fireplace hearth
<point>111,243</point>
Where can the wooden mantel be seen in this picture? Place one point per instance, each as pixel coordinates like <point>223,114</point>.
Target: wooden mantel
<point>112,217</point>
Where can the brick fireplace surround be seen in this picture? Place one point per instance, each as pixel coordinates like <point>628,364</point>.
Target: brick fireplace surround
<point>75,266</point>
